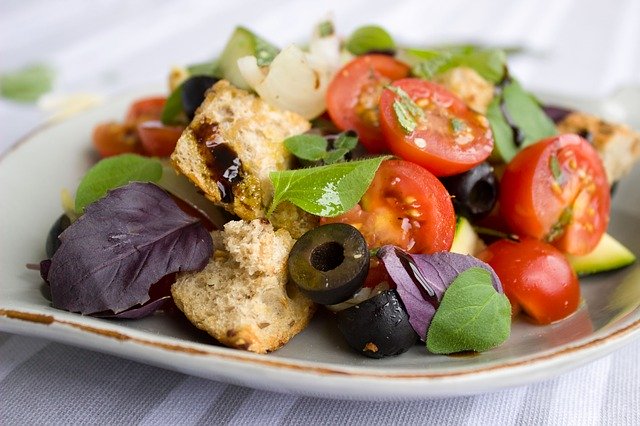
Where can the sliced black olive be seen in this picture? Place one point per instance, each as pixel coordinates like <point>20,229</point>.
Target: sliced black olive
<point>378,327</point>
<point>474,192</point>
<point>329,263</point>
<point>53,242</point>
<point>193,91</point>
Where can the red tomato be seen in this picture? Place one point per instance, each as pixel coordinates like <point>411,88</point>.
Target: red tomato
<point>406,206</point>
<point>556,190</point>
<point>354,94</point>
<point>121,138</point>
<point>146,109</point>
<point>157,139</point>
<point>536,278</point>
<point>449,139</point>
<point>115,139</point>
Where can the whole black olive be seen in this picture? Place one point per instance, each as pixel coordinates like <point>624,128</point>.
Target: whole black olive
<point>329,263</point>
<point>193,91</point>
<point>474,192</point>
<point>53,242</point>
<point>378,327</point>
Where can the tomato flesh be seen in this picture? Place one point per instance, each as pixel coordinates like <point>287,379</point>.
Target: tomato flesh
<point>536,278</point>
<point>354,94</point>
<point>449,139</point>
<point>556,190</point>
<point>157,139</point>
<point>406,206</point>
<point>140,133</point>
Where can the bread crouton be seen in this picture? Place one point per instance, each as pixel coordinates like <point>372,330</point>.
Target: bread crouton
<point>469,86</point>
<point>241,297</point>
<point>617,144</point>
<point>234,141</point>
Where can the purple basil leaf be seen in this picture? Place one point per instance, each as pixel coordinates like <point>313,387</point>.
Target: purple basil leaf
<point>422,280</point>
<point>124,243</point>
<point>138,311</point>
<point>45,265</point>
<point>556,113</point>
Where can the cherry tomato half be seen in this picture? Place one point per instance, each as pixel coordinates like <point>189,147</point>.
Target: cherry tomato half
<point>536,278</point>
<point>140,133</point>
<point>354,94</point>
<point>157,139</point>
<point>116,138</point>
<point>449,138</point>
<point>556,190</point>
<point>405,205</point>
<point>145,109</point>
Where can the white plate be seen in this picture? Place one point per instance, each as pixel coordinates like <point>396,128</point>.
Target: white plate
<point>316,362</point>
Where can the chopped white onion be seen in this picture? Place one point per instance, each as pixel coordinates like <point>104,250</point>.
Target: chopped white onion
<point>292,82</point>
<point>361,295</point>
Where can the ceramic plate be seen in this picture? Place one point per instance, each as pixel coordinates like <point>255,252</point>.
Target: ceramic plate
<point>316,362</point>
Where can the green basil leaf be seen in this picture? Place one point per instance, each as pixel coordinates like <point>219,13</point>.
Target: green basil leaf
<point>307,147</point>
<point>26,84</point>
<point>504,145</point>
<point>173,110</point>
<point>327,190</point>
<point>369,38</point>
<point>335,155</point>
<point>472,315</point>
<point>489,63</point>
<point>526,114</point>
<point>114,172</point>
<point>346,140</point>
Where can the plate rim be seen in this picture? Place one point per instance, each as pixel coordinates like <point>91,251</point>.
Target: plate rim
<point>30,322</point>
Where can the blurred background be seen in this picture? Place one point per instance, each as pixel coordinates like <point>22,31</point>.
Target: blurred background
<point>584,49</point>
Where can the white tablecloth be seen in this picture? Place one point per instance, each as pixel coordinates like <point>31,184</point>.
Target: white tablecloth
<point>576,48</point>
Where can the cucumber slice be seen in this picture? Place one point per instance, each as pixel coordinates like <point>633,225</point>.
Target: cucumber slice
<point>608,255</point>
<point>244,43</point>
<point>466,240</point>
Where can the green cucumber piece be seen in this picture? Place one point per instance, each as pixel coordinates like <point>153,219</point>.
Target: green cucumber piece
<point>608,255</point>
<point>465,239</point>
<point>244,43</point>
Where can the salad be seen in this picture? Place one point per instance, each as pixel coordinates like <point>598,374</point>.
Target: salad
<point>420,195</point>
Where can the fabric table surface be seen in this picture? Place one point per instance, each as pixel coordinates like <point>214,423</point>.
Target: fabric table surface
<point>588,49</point>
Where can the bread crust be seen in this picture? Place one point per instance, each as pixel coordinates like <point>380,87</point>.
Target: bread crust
<point>241,298</point>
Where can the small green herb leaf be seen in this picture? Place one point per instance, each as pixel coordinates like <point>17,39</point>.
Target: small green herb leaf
<point>327,190</point>
<point>173,111</point>
<point>325,29</point>
<point>407,111</point>
<point>26,84</point>
<point>346,140</point>
<point>558,228</point>
<point>307,147</point>
<point>114,172</point>
<point>504,145</point>
<point>556,169</point>
<point>526,114</point>
<point>370,38</point>
<point>457,125</point>
<point>265,51</point>
<point>335,156</point>
<point>489,63</point>
<point>472,315</point>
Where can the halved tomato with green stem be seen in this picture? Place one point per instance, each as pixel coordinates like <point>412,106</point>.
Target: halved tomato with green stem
<point>406,206</point>
<point>354,94</point>
<point>556,190</point>
<point>446,136</point>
